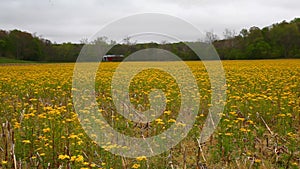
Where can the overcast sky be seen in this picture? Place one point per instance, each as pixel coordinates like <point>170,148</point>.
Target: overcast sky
<point>73,20</point>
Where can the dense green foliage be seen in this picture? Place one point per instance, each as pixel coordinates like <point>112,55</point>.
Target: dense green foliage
<point>20,45</point>
<point>281,40</point>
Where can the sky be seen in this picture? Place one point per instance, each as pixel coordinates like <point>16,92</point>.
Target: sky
<point>73,20</point>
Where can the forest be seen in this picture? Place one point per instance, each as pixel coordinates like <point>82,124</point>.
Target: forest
<point>280,40</point>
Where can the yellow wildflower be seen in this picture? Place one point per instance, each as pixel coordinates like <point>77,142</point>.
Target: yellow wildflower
<point>79,158</point>
<point>26,141</point>
<point>141,158</point>
<point>167,112</point>
<point>228,134</point>
<point>136,166</point>
<point>62,157</point>
<point>171,121</point>
<point>46,130</point>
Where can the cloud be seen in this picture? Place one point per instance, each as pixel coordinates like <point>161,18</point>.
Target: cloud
<point>67,20</point>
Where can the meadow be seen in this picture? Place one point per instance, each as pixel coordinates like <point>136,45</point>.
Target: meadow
<point>259,128</point>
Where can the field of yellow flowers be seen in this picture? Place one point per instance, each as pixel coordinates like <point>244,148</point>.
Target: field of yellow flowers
<point>260,125</point>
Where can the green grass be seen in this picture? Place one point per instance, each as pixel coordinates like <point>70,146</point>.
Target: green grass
<point>9,60</point>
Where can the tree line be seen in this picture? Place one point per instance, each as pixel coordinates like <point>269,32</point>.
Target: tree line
<point>280,40</point>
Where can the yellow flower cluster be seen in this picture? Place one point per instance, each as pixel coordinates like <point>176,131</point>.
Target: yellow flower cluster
<point>37,102</point>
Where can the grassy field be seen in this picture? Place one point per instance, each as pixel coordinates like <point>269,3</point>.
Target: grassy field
<point>8,60</point>
<point>260,126</point>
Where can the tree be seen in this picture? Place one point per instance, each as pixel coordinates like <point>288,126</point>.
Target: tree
<point>244,33</point>
<point>229,34</point>
<point>84,41</point>
<point>3,42</point>
<point>286,37</point>
<point>128,41</point>
<point>259,50</point>
<point>2,47</point>
<point>210,36</point>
